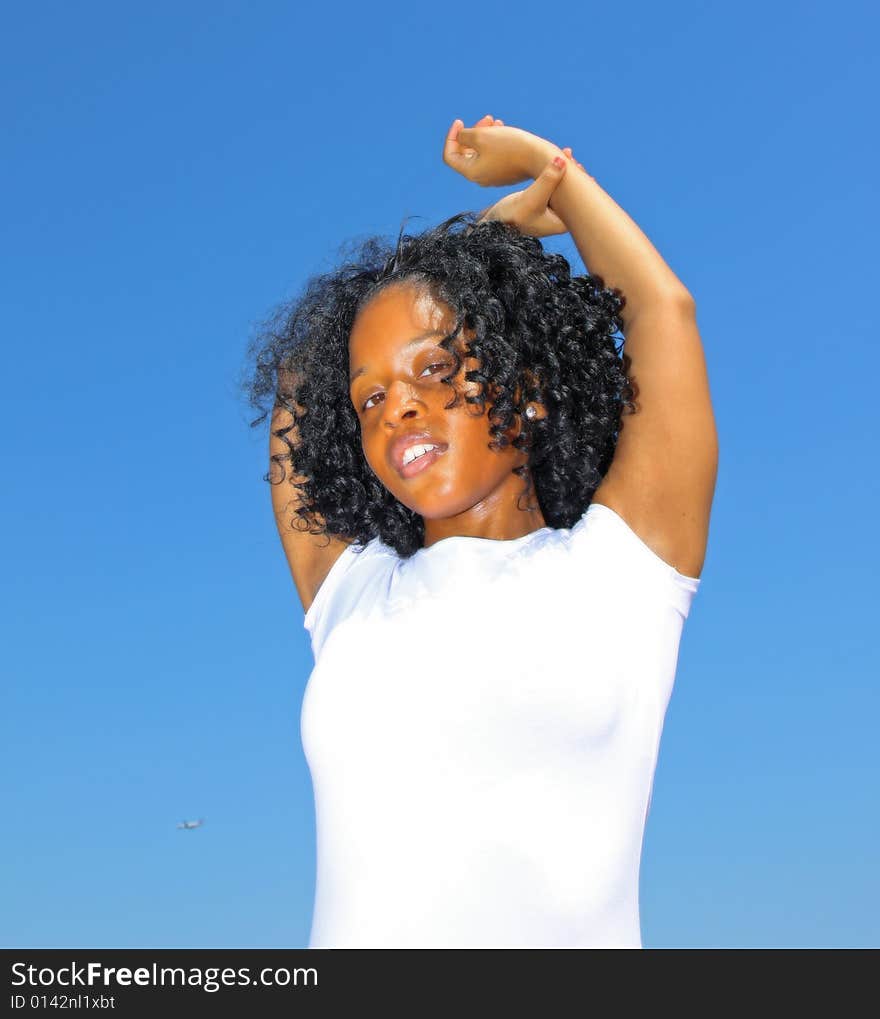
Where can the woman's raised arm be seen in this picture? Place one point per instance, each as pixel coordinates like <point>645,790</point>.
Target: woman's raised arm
<point>309,557</point>
<point>662,478</point>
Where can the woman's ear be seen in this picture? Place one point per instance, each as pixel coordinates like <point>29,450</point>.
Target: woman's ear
<point>534,409</point>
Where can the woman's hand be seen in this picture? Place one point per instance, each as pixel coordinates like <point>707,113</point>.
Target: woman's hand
<point>492,155</point>
<point>529,210</point>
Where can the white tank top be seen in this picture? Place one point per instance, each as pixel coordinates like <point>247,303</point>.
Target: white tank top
<point>482,727</point>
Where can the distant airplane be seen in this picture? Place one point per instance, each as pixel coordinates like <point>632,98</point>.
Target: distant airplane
<point>189,825</point>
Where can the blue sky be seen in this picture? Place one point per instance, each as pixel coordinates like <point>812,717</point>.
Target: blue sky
<point>174,171</point>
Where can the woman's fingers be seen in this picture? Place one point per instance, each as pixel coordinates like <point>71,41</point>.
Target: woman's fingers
<point>453,152</point>
<point>570,154</point>
<point>466,151</point>
<point>537,195</point>
<point>452,133</point>
<point>466,136</point>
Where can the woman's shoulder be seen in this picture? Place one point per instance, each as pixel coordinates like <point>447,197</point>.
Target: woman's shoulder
<point>356,563</point>
<point>604,539</point>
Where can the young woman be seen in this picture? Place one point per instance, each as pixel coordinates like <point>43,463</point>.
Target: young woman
<point>496,524</point>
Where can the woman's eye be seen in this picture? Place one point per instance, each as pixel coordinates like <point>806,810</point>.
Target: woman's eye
<point>442,364</point>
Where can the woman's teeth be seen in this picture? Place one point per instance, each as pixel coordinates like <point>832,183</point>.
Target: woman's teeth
<point>414,452</point>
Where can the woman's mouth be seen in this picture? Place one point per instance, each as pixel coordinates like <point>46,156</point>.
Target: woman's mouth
<point>423,462</point>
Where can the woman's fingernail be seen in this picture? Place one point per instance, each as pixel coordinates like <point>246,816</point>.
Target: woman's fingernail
<point>558,162</point>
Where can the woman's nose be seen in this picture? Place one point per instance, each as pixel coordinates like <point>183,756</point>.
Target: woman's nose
<point>400,400</point>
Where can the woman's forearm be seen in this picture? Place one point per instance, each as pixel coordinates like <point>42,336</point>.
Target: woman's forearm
<point>609,241</point>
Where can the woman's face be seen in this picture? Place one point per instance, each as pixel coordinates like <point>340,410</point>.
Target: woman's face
<point>397,364</point>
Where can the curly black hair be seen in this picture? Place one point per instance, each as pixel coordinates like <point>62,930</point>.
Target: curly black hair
<point>539,334</point>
